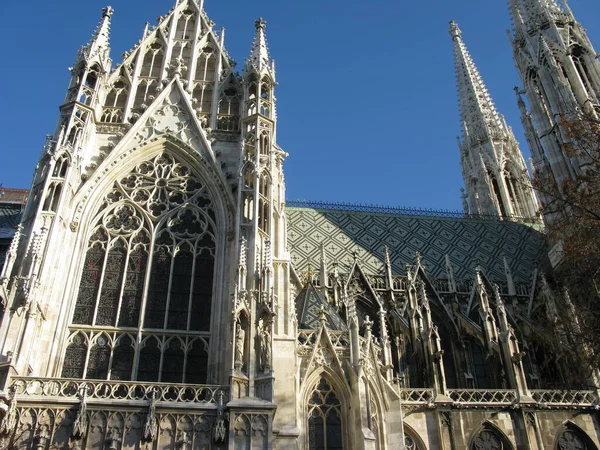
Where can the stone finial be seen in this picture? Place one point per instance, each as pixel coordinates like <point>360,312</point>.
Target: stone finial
<point>322,315</point>
<point>454,30</point>
<point>107,11</point>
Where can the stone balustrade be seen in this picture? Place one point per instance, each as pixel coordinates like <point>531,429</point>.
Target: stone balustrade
<point>36,388</point>
<point>493,397</point>
<point>470,398</point>
<point>552,398</point>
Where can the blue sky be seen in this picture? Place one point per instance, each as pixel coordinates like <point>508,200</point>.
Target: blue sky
<point>366,98</point>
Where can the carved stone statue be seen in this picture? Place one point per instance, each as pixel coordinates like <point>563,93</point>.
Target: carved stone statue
<point>240,338</point>
<point>264,336</point>
<point>150,425</point>
<point>81,420</point>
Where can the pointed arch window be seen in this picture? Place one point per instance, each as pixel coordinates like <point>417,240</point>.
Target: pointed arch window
<point>579,60</point>
<point>186,25</point>
<point>229,107</point>
<point>148,271</point>
<point>61,166</point>
<point>497,194</point>
<point>205,64</point>
<point>153,61</point>
<point>324,418</point>
<point>115,102</point>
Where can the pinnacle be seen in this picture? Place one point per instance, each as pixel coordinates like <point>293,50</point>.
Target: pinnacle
<point>259,55</point>
<point>100,38</point>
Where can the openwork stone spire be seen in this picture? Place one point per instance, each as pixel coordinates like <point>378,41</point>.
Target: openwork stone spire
<point>478,113</point>
<point>494,171</point>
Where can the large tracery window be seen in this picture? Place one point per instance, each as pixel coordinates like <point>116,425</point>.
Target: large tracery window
<point>144,303</point>
<point>324,418</point>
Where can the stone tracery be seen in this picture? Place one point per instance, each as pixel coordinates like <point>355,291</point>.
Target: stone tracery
<point>158,219</point>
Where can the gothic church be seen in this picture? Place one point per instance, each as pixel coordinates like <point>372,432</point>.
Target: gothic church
<point>160,293</point>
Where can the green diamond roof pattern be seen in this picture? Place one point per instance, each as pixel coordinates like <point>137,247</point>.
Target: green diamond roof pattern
<point>468,242</point>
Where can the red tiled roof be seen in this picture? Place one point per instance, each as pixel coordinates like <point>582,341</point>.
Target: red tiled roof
<point>11,195</point>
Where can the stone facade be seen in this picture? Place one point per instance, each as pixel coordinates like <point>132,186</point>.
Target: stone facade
<point>161,294</point>
<point>560,73</point>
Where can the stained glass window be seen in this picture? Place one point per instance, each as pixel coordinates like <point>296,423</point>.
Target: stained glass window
<point>149,268</point>
<point>75,357</point>
<point>97,367</point>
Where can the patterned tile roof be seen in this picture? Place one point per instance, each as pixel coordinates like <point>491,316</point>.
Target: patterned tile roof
<point>10,216</point>
<point>468,242</point>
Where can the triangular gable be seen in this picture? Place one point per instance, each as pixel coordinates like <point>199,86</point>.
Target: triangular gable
<point>171,114</point>
<point>364,280</point>
<point>324,355</point>
<point>422,274</point>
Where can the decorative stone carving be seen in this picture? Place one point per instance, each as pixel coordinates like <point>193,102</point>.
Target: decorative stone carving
<point>10,418</point>
<point>240,345</point>
<point>323,357</point>
<point>487,440</point>
<point>151,423</point>
<point>170,118</point>
<point>570,441</point>
<point>264,339</point>
<point>220,427</point>
<point>81,419</point>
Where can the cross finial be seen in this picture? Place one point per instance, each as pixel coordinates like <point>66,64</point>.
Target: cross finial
<point>260,24</point>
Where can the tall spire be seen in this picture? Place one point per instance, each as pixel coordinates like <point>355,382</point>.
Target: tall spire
<point>259,55</point>
<point>478,113</point>
<point>494,170</point>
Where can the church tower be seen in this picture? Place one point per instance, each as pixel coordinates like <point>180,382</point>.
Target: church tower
<point>560,73</point>
<point>495,174</point>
